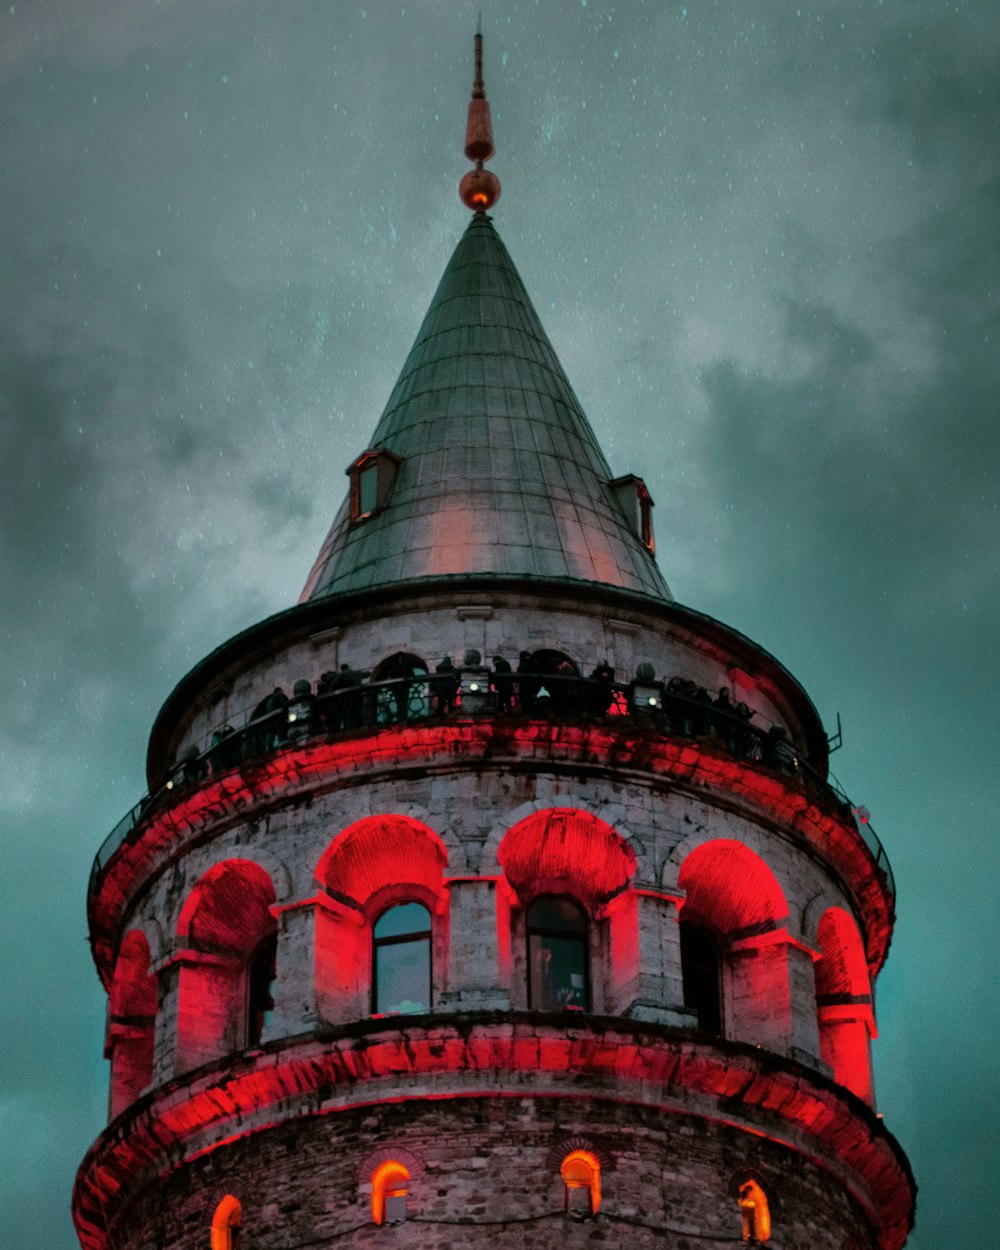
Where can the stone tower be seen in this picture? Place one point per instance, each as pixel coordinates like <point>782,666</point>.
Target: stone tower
<point>411,946</point>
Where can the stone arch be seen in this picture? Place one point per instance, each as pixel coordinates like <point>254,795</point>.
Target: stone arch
<point>814,909</point>
<point>157,941</point>
<point>381,1176</point>
<point>747,834</point>
<point>731,888</point>
<point>566,1145</point>
<point>376,863</point>
<point>733,905</point>
<point>227,1220</point>
<point>489,861</point>
<point>756,1204</point>
<point>376,1158</point>
<point>842,969</point>
<point>579,1195</point>
<point>570,852</point>
<point>223,924</point>
<point>566,844</point>
<point>844,1002</point>
<point>382,851</point>
<point>229,909</point>
<point>580,1171</point>
<point>399,663</point>
<point>259,862</point>
<point>131,1021</point>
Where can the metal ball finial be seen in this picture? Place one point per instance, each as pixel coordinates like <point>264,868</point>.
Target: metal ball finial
<point>479,189</point>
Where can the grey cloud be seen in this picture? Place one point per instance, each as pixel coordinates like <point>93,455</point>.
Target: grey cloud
<point>765,247</point>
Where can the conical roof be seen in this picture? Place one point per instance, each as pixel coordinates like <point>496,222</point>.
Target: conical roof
<point>499,473</point>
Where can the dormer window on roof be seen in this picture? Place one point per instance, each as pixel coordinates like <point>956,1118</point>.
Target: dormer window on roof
<point>372,476</point>
<point>636,502</point>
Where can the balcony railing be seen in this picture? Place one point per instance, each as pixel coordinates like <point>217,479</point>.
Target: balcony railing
<point>474,692</point>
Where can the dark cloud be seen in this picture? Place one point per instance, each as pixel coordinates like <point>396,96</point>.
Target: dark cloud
<point>764,240</point>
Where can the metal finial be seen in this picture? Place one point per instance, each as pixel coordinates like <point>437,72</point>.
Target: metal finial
<point>479,189</point>
<point>478,88</point>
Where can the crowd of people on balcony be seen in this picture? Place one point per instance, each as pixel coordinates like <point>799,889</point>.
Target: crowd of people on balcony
<point>543,685</point>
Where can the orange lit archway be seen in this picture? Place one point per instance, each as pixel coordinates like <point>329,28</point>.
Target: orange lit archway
<point>755,1212</point>
<point>389,1180</point>
<point>581,1170</point>
<point>226,1224</point>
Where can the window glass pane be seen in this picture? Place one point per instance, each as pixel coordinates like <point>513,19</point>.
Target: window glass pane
<point>558,972</point>
<point>368,489</point>
<point>403,976</point>
<point>702,973</point>
<point>407,918</point>
<point>262,978</point>
<point>557,913</point>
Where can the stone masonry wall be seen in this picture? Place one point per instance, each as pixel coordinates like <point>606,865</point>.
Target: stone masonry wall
<point>485,1172</point>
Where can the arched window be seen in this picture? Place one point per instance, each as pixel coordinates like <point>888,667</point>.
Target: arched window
<point>558,971</point>
<point>701,968</point>
<point>732,894</point>
<point>755,1212</point>
<point>401,960</point>
<point>261,972</point>
<point>226,1224</point>
<point>224,923</point>
<point>581,1173</point>
<point>389,1182</point>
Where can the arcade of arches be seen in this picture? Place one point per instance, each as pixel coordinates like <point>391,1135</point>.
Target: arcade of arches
<point>387,933</point>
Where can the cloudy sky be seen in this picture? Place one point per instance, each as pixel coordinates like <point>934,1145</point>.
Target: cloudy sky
<point>765,240</point>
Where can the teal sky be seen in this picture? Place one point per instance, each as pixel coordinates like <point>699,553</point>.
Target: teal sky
<point>764,238</point>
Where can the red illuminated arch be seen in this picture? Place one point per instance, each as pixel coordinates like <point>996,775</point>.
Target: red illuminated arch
<point>132,1017</point>
<point>370,866</point>
<point>568,847</point>
<point>843,969</point>
<point>733,898</point>
<point>226,919</point>
<point>564,851</point>
<point>379,852</point>
<point>844,1004</point>
<point>229,911</point>
<point>731,888</point>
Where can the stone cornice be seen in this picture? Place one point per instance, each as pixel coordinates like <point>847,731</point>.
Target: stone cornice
<point>496,1055</point>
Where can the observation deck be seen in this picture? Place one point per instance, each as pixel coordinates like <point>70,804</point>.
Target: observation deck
<point>568,722</point>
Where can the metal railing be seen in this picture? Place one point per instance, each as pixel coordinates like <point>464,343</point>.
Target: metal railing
<point>479,692</point>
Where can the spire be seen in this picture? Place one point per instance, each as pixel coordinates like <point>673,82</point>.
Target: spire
<point>483,463</point>
<point>479,189</point>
